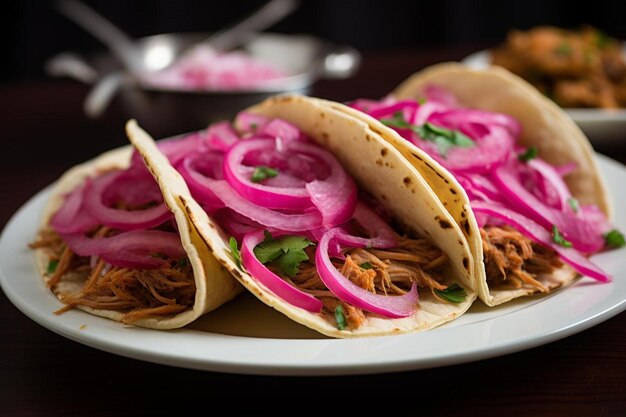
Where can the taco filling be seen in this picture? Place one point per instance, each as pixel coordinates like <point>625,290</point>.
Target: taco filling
<point>298,225</point>
<point>115,235</point>
<point>530,223</point>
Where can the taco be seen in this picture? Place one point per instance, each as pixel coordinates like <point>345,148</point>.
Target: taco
<point>320,219</point>
<point>513,170</point>
<point>118,244</point>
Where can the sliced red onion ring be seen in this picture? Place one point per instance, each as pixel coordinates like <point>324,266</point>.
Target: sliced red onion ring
<point>385,305</point>
<point>71,216</point>
<point>270,280</point>
<point>257,193</point>
<point>271,218</point>
<point>216,193</point>
<point>336,196</point>
<point>221,136</point>
<point>135,249</point>
<point>120,219</point>
<point>383,236</point>
<point>280,129</point>
<point>583,235</point>
<point>246,122</point>
<point>235,224</point>
<point>392,108</point>
<point>191,169</point>
<point>134,187</point>
<point>554,181</point>
<point>537,233</point>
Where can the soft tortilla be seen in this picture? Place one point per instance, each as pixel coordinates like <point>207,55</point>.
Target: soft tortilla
<point>381,171</point>
<point>544,125</point>
<point>214,285</point>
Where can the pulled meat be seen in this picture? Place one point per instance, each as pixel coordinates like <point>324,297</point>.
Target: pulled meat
<point>513,260</point>
<point>138,293</point>
<point>388,272</point>
<point>575,68</point>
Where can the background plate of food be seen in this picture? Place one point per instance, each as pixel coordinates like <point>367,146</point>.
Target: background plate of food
<point>583,70</point>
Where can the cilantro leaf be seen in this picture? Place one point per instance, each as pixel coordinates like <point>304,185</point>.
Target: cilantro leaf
<point>454,293</point>
<point>558,238</point>
<point>262,173</point>
<point>614,239</point>
<point>340,317</point>
<point>289,262</point>
<point>183,262</point>
<point>397,121</point>
<point>234,251</point>
<point>286,253</point>
<point>530,153</point>
<point>366,265</point>
<point>443,138</point>
<point>440,136</point>
<point>573,203</point>
<point>52,266</point>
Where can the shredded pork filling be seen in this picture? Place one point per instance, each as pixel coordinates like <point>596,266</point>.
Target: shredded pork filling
<point>138,293</point>
<point>514,261</point>
<point>389,272</point>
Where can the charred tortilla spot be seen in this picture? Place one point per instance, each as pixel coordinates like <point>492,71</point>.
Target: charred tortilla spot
<point>466,226</point>
<point>466,263</point>
<point>384,152</point>
<point>322,115</point>
<point>383,197</point>
<point>463,214</point>
<point>236,273</point>
<point>285,99</point>
<point>416,156</point>
<point>379,162</point>
<point>325,136</point>
<point>444,224</point>
<point>452,190</point>
<point>368,138</point>
<point>407,181</point>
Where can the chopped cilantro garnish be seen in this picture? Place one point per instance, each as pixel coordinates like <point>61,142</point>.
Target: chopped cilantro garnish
<point>286,252</point>
<point>234,251</point>
<point>262,173</point>
<point>52,266</point>
<point>440,136</point>
<point>181,263</point>
<point>530,153</point>
<point>366,265</point>
<point>253,126</point>
<point>340,317</point>
<point>614,239</point>
<point>573,203</point>
<point>454,293</point>
<point>443,138</point>
<point>558,238</point>
<point>397,121</point>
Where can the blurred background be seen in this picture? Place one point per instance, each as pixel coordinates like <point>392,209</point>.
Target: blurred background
<point>32,30</point>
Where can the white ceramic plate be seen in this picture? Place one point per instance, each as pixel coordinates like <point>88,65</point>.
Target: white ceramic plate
<point>245,336</point>
<point>602,126</point>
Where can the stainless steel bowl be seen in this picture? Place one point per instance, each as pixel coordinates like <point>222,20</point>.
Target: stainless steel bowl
<point>164,111</point>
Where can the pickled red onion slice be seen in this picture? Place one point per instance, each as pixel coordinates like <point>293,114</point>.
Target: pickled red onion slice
<point>273,282</point>
<point>385,305</point>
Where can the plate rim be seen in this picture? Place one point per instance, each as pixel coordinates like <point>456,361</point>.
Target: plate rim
<point>68,326</point>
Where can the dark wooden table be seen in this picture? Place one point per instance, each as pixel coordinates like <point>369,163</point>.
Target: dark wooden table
<point>43,132</point>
